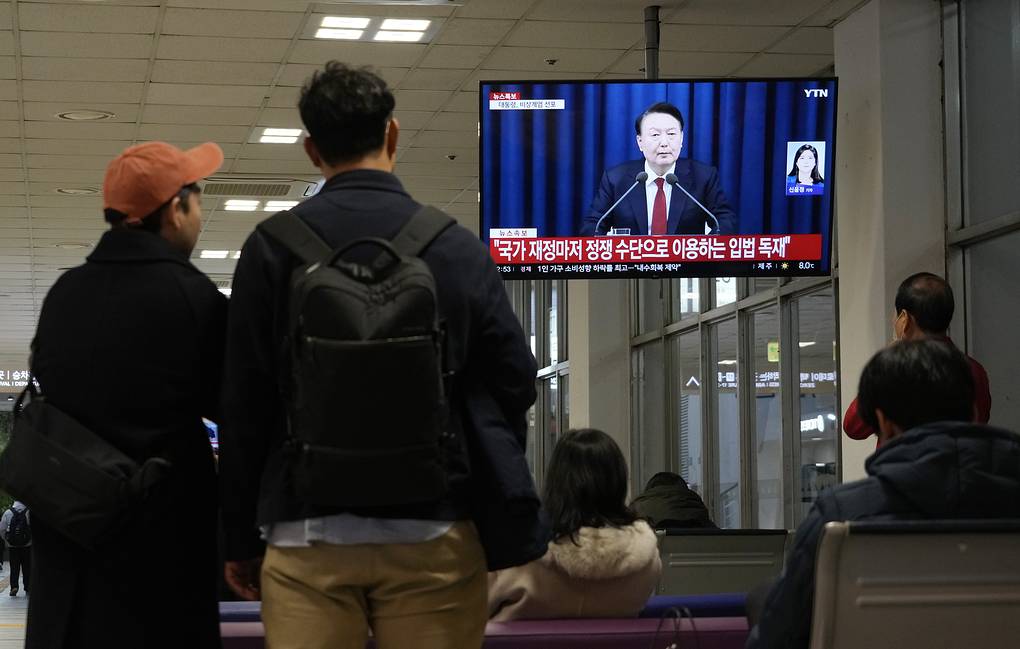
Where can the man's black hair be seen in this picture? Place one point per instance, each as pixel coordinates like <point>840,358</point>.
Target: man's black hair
<point>660,107</point>
<point>928,299</point>
<point>153,221</point>
<point>345,111</point>
<point>915,382</point>
<point>665,478</point>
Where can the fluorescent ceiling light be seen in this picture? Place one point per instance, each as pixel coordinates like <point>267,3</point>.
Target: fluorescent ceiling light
<point>728,362</point>
<point>339,34</point>
<point>806,344</point>
<point>214,254</point>
<point>226,291</point>
<point>405,25</point>
<point>345,22</point>
<point>237,205</point>
<point>237,255</point>
<point>280,135</point>
<point>401,37</point>
<point>276,206</point>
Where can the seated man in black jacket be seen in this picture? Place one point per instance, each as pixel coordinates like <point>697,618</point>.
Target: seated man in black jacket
<point>932,464</point>
<point>667,501</point>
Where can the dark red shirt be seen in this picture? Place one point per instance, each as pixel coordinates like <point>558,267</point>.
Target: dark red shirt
<point>856,428</point>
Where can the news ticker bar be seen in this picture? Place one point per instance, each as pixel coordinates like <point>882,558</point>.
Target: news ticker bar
<point>656,249</point>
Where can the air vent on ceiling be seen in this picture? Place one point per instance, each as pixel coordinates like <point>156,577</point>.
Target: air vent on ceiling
<point>246,189</point>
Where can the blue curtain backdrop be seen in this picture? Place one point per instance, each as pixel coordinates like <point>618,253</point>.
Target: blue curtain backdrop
<point>540,168</point>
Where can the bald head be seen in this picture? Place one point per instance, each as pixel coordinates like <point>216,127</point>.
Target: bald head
<point>927,301</point>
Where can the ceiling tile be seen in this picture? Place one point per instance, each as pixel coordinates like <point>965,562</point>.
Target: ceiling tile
<point>718,38</point>
<point>229,115</point>
<point>684,64</point>
<point>296,74</point>
<point>252,5</point>
<point>471,85</point>
<point>464,102</point>
<point>82,91</point>
<point>834,12</point>
<point>420,99</point>
<point>388,55</point>
<point>10,129</point>
<point>46,161</point>
<point>9,110</point>
<point>81,130</point>
<point>566,60</point>
<point>69,146</point>
<point>210,22</point>
<point>458,57</point>
<point>785,65</point>
<point>746,12</point>
<point>7,68</point>
<point>513,9</point>
<point>413,119</point>
<point>83,45</point>
<point>88,177</point>
<point>440,155</point>
<point>433,79</point>
<point>806,40</point>
<point>284,97</point>
<point>5,16</point>
<point>207,48</point>
<point>205,95</point>
<point>281,117</point>
<point>6,42</point>
<point>90,18</point>
<point>47,110</point>
<point>10,160</point>
<point>461,31</point>
<point>612,11</point>
<point>445,139</point>
<point>449,121</point>
<point>274,152</point>
<point>9,175</point>
<point>534,33</point>
<point>449,169</point>
<point>216,72</point>
<point>273,166</point>
<point>181,133</point>
<point>79,69</point>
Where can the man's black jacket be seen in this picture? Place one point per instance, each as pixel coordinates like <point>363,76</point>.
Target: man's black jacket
<point>493,385</point>
<point>944,470</point>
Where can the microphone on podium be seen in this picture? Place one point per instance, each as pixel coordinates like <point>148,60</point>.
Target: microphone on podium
<point>675,182</point>
<point>638,179</point>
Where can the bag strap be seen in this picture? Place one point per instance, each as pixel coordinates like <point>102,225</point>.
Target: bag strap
<point>425,225</point>
<point>295,235</point>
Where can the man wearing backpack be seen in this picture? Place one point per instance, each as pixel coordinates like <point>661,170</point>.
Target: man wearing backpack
<point>375,404</point>
<point>16,530</point>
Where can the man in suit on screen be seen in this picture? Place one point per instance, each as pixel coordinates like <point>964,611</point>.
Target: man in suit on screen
<point>658,204</point>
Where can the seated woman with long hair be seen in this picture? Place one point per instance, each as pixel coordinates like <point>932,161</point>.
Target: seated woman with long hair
<point>603,561</point>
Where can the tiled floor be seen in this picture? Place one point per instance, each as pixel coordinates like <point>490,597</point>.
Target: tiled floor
<point>13,611</point>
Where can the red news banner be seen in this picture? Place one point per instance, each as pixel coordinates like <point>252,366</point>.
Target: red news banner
<point>657,249</point>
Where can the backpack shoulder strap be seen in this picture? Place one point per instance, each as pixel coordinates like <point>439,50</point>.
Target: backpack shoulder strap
<point>290,230</point>
<point>425,225</point>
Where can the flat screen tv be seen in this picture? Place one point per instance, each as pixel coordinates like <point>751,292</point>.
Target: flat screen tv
<point>667,178</point>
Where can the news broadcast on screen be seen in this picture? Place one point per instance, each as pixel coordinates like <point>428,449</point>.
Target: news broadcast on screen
<point>677,178</point>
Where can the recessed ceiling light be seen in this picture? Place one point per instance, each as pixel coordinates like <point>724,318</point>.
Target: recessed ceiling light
<point>77,191</point>
<point>85,115</point>
<point>238,205</point>
<point>345,22</point>
<point>339,34</point>
<point>237,255</point>
<point>406,25</point>
<point>276,206</point>
<point>399,37</point>
<point>728,362</point>
<point>226,291</point>
<point>71,245</point>
<point>279,135</point>
<point>214,254</point>
<point>806,343</point>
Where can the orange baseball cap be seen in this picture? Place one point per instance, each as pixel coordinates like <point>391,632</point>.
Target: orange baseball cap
<point>145,176</point>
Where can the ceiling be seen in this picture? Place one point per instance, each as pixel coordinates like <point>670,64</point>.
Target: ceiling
<point>187,71</point>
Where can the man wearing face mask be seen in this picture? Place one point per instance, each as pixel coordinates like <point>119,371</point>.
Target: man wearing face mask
<point>659,204</point>
<point>130,345</point>
<point>924,309</point>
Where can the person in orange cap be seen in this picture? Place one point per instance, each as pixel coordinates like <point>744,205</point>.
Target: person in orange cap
<point>130,344</point>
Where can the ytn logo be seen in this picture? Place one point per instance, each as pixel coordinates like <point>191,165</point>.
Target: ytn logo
<point>816,92</point>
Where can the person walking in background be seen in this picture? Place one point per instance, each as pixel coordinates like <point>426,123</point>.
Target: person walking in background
<point>603,560</point>
<point>16,530</point>
<point>924,309</point>
<point>668,501</point>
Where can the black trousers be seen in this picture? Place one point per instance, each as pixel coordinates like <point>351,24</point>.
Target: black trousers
<point>21,558</point>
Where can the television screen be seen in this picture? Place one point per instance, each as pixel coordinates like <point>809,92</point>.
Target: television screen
<point>668,178</point>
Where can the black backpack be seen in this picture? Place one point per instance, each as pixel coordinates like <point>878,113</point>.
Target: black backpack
<point>364,359</point>
<point>19,534</point>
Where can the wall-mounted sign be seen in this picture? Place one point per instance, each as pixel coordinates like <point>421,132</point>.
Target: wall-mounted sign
<point>13,379</point>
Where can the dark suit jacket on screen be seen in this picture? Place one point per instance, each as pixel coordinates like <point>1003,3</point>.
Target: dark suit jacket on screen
<point>684,217</point>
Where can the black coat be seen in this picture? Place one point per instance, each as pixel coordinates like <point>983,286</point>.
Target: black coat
<point>673,505</point>
<point>493,384</point>
<point>945,470</point>
<point>131,345</point>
